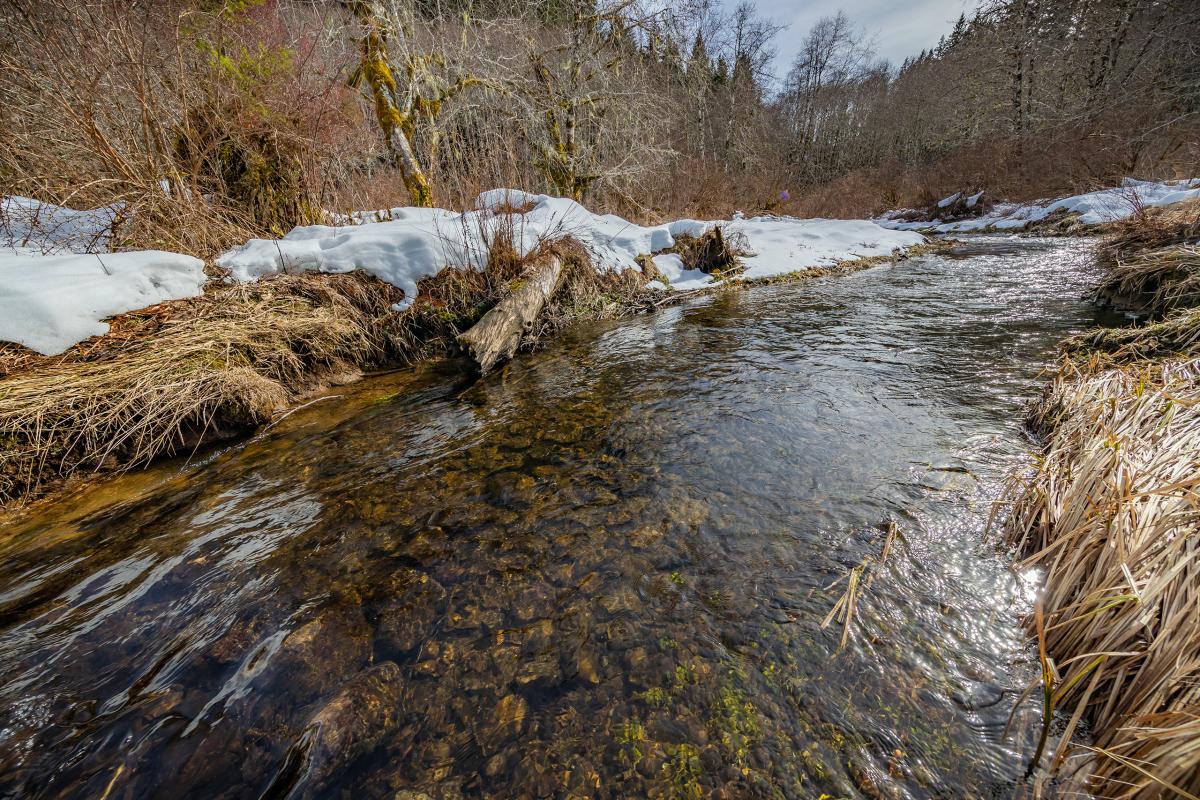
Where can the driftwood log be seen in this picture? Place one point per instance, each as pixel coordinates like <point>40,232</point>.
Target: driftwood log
<point>498,334</point>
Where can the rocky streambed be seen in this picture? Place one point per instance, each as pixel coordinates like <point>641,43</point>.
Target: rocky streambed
<point>602,571</point>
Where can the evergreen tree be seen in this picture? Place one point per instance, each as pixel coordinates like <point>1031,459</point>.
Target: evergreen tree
<point>721,73</point>
<point>699,57</point>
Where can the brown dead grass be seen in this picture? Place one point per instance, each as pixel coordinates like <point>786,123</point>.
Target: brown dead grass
<point>1177,336</point>
<point>169,378</point>
<point>1152,261</point>
<point>173,378</point>
<point>1112,517</point>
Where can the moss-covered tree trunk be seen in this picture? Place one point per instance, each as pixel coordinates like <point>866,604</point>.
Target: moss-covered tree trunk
<point>396,124</point>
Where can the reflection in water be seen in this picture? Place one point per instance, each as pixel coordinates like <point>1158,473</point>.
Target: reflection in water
<point>598,573</point>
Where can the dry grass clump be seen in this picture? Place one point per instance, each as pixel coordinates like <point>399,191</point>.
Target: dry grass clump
<point>1112,517</point>
<point>218,364</point>
<point>585,293</point>
<point>1152,261</point>
<point>1155,282</point>
<point>715,252</point>
<point>166,379</point>
<point>1177,336</point>
<point>1151,229</point>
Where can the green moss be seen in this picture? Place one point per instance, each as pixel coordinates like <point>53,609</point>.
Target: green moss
<point>735,720</point>
<point>683,676</point>
<point>812,765</point>
<point>655,698</point>
<point>632,739</point>
<point>682,771</point>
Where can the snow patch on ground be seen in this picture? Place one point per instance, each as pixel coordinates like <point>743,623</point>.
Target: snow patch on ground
<point>1093,208</point>
<point>681,278</point>
<point>30,226</point>
<point>786,244</point>
<point>414,243</point>
<point>945,201</point>
<point>49,303</point>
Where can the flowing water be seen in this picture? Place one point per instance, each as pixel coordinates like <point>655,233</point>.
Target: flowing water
<point>600,572</point>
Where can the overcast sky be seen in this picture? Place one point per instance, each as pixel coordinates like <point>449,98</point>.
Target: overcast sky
<point>900,28</point>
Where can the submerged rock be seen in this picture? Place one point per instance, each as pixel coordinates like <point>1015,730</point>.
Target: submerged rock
<point>358,717</point>
<point>407,617</point>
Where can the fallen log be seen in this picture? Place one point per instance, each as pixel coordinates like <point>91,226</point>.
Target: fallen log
<point>498,334</point>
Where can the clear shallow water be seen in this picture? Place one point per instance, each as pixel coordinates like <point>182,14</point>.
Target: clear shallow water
<point>598,573</point>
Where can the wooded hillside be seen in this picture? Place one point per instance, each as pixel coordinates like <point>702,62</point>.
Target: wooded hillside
<point>213,121</point>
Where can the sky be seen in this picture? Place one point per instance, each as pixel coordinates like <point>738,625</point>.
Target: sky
<point>900,28</point>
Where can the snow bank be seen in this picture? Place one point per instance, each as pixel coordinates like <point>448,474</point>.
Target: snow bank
<point>414,243</point>
<point>30,226</point>
<point>1093,208</point>
<point>49,303</point>
<point>786,244</point>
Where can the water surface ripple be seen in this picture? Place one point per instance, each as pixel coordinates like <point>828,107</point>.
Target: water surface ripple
<point>601,572</point>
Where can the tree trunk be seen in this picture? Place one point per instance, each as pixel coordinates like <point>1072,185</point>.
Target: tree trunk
<point>496,337</point>
<point>374,70</point>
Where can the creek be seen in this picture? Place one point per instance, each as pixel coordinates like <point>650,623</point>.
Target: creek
<point>602,571</point>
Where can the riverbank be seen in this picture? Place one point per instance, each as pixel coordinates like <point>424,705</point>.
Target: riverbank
<point>282,319</point>
<point>1109,517</point>
<point>1088,214</point>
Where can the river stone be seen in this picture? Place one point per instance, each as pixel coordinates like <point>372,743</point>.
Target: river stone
<point>359,716</point>
<point>585,667</point>
<point>407,619</point>
<point>510,714</point>
<point>321,652</point>
<point>543,668</point>
<point>623,600</point>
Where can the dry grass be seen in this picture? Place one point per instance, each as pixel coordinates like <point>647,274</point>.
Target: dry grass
<point>715,253</point>
<point>1112,518</point>
<point>1177,336</point>
<point>166,379</point>
<point>1155,282</point>
<point>217,364</point>
<point>1152,228</point>
<point>1152,261</point>
<point>588,294</point>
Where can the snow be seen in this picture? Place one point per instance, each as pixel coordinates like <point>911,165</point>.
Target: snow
<point>58,282</point>
<point>30,226</point>
<point>414,243</point>
<point>945,201</point>
<point>1092,208</point>
<point>973,199</point>
<point>57,285</point>
<point>786,244</point>
<point>49,303</point>
<point>671,265</point>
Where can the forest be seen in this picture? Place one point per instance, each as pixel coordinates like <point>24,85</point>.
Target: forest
<point>214,121</point>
